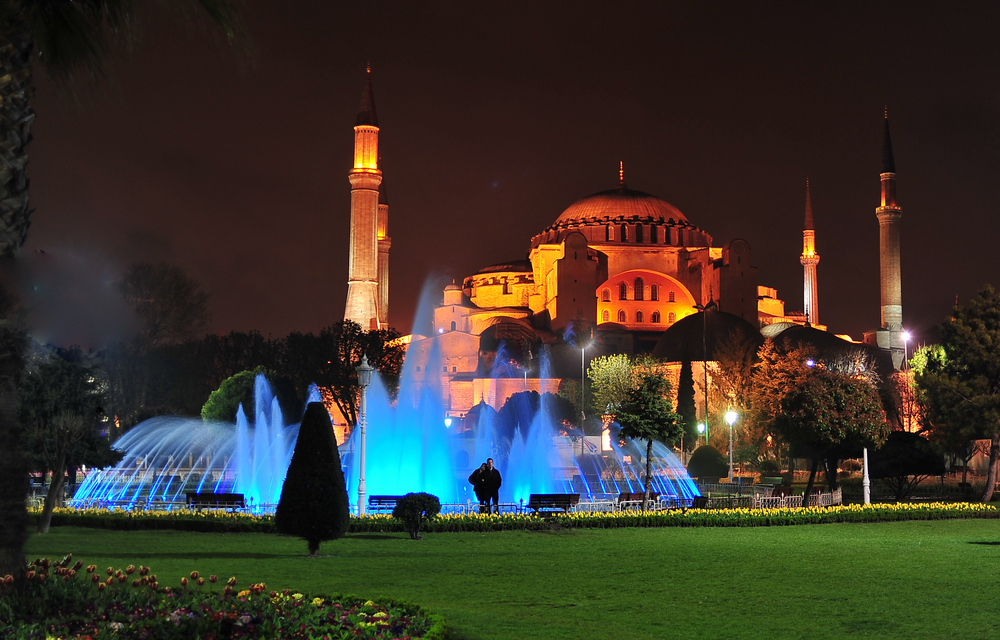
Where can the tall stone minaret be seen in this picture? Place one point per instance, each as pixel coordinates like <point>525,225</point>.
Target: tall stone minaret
<point>890,335</point>
<point>809,260</point>
<point>384,243</point>
<point>362,281</point>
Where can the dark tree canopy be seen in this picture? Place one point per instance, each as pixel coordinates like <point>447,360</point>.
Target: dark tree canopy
<point>313,504</point>
<point>708,463</point>
<point>687,414</point>
<point>170,306</point>
<point>959,384</point>
<point>905,460</point>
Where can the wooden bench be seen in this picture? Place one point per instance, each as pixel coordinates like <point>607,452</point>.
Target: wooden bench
<point>209,500</point>
<point>548,502</point>
<point>633,500</point>
<point>382,504</point>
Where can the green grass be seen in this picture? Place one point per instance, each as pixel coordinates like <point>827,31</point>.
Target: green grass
<point>892,580</point>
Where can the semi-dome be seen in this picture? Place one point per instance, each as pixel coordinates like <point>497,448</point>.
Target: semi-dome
<point>623,203</point>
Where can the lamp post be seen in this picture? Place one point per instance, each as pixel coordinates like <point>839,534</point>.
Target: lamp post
<point>866,483</point>
<point>704,353</point>
<point>906,341</point>
<point>701,430</point>
<point>731,419</point>
<point>364,379</point>
<point>583,382</point>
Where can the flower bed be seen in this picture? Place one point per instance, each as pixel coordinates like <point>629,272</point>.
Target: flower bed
<point>221,521</point>
<point>60,600</point>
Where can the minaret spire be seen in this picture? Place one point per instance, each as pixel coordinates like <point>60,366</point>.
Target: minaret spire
<point>363,262</point>
<point>809,259</point>
<point>889,214</point>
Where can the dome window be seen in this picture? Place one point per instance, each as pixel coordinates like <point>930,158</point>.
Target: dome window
<point>640,291</point>
<point>653,235</point>
<point>609,233</point>
<point>624,233</point>
<point>638,316</point>
<point>621,315</point>
<point>623,291</point>
<point>672,297</point>
<point>453,325</point>
<point>655,318</point>
<point>606,316</point>
<point>638,232</point>
<point>606,295</point>
<point>671,318</point>
<point>654,292</point>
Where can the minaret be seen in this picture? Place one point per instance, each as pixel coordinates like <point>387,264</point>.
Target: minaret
<point>384,243</point>
<point>362,282</point>
<point>809,260</point>
<point>889,215</point>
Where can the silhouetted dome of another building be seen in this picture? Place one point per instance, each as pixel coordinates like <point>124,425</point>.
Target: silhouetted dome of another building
<point>683,340</point>
<point>772,330</point>
<point>829,346</point>
<point>621,203</point>
<point>512,266</point>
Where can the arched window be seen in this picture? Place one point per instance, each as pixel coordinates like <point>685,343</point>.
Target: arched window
<point>672,297</point>
<point>609,233</point>
<point>638,232</point>
<point>653,235</point>
<point>506,288</point>
<point>623,291</point>
<point>621,315</point>
<point>640,291</point>
<point>638,316</point>
<point>655,318</point>
<point>606,316</point>
<point>453,325</point>
<point>671,318</point>
<point>606,295</point>
<point>624,237</point>
<point>654,292</point>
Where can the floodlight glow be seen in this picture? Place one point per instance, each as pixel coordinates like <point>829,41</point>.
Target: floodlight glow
<point>731,417</point>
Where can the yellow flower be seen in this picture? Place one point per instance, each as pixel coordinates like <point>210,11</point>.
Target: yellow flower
<point>317,601</point>
<point>297,596</point>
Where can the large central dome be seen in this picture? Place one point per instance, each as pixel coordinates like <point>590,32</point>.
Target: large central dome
<point>621,203</point>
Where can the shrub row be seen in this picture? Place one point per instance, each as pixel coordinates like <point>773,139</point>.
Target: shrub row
<point>221,521</point>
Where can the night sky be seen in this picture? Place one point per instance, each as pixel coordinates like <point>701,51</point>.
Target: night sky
<point>497,116</point>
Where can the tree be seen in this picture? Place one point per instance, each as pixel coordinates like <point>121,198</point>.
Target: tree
<point>223,403</point>
<point>611,381</point>
<point>707,463</point>
<point>13,467</point>
<point>960,383</point>
<point>646,414</point>
<point>331,358</point>
<point>313,504</point>
<point>70,39</point>
<point>776,372</point>
<point>61,403</point>
<point>829,410</point>
<point>170,308</point>
<point>687,414</point>
<point>904,461</point>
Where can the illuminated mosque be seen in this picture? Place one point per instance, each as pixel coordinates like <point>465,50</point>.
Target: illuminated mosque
<point>619,271</point>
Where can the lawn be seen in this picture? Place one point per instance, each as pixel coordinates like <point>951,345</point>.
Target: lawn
<point>893,580</point>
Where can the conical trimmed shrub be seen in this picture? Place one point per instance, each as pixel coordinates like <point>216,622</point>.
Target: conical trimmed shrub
<point>313,504</point>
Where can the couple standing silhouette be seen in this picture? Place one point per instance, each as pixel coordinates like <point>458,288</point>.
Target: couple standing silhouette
<point>486,483</point>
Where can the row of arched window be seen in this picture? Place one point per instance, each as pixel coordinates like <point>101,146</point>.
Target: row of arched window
<point>654,317</point>
<point>654,233</point>
<point>639,292</point>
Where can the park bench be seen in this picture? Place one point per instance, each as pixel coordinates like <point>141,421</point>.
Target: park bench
<point>210,500</point>
<point>382,504</point>
<point>548,502</point>
<point>633,500</point>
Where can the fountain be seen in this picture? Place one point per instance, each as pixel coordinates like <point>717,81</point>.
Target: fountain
<point>410,447</point>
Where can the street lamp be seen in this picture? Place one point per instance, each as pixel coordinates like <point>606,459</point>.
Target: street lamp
<point>906,340</point>
<point>701,430</point>
<point>364,379</point>
<point>704,352</point>
<point>731,419</point>
<point>583,382</point>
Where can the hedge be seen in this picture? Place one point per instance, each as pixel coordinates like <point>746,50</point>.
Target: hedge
<point>227,522</point>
